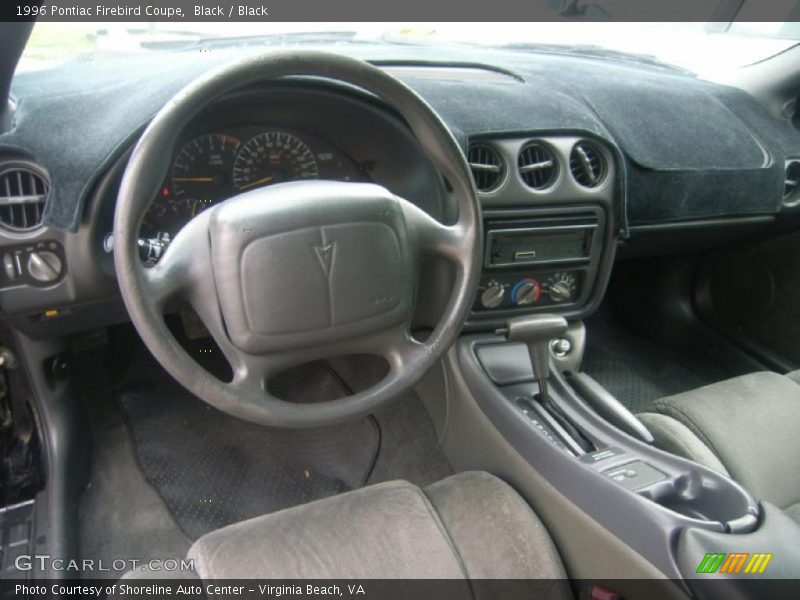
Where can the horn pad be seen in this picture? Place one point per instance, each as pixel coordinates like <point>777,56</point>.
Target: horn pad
<point>308,263</point>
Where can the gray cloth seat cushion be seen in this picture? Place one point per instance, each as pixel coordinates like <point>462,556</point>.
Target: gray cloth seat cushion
<point>747,427</point>
<point>470,525</point>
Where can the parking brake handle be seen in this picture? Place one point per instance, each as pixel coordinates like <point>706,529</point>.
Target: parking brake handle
<point>608,407</point>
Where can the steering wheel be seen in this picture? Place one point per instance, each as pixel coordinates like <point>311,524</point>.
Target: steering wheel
<point>298,271</point>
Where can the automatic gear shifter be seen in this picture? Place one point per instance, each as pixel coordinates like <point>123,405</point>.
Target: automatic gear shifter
<point>535,332</point>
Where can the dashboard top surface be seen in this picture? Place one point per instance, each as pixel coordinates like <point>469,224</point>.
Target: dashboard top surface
<point>693,149</point>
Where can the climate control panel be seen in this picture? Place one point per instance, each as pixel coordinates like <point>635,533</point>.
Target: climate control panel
<point>504,291</point>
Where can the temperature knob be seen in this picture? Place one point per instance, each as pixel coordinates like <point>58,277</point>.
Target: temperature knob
<point>527,291</point>
<point>493,295</point>
<point>44,266</point>
<point>561,287</point>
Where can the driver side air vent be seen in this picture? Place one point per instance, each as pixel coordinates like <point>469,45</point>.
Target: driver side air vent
<point>791,184</point>
<point>587,164</point>
<point>487,167</point>
<point>23,193</point>
<point>537,166</point>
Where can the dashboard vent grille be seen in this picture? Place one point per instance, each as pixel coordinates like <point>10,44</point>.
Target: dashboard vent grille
<point>791,185</point>
<point>587,165</point>
<point>537,165</point>
<point>487,167</point>
<point>23,193</point>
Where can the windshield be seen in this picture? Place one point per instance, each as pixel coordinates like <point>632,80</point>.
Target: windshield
<point>702,48</point>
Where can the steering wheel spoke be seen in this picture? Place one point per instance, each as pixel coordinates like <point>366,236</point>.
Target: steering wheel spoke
<point>402,349</point>
<point>164,282</point>
<point>250,371</point>
<point>185,263</point>
<point>250,374</point>
<point>202,300</point>
<point>395,344</point>
<point>432,238</point>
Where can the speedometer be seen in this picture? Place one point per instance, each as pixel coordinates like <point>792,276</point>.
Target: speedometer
<point>273,157</point>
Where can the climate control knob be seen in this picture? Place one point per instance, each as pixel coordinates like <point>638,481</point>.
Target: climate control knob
<point>527,291</point>
<point>44,266</point>
<point>493,295</point>
<point>561,287</point>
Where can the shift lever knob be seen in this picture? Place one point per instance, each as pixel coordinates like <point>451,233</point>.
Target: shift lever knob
<point>536,331</point>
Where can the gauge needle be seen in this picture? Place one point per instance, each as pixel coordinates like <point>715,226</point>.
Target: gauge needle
<point>257,182</point>
<point>193,179</point>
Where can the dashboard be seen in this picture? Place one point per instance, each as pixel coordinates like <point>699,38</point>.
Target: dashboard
<point>561,176</point>
<point>212,167</point>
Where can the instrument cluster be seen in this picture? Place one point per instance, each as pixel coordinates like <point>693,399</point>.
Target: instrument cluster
<point>213,167</point>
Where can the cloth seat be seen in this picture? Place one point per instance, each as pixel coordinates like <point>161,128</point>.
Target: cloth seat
<point>468,526</point>
<point>745,427</point>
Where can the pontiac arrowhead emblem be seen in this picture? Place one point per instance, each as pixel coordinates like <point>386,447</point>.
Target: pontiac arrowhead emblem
<point>325,255</point>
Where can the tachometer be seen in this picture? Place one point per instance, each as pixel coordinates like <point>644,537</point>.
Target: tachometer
<point>203,166</point>
<point>200,177</point>
<point>273,157</point>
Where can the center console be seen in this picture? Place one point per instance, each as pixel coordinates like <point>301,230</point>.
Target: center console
<point>600,462</point>
<point>598,455</point>
<point>591,433</point>
<point>549,248</point>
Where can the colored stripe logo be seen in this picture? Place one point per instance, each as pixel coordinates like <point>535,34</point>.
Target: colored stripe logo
<point>734,563</point>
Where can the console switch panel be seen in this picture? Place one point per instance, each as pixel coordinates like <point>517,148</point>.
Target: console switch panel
<point>635,475</point>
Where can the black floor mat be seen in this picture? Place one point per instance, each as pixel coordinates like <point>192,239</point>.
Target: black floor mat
<point>637,370</point>
<point>213,470</point>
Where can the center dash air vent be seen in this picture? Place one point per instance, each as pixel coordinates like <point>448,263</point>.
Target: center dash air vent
<point>487,167</point>
<point>587,164</point>
<point>537,165</point>
<point>791,184</point>
<point>23,193</point>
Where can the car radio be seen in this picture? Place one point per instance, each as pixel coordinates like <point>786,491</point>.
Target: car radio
<point>538,243</point>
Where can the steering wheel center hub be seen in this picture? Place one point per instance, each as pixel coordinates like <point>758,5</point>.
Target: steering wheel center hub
<point>306,263</point>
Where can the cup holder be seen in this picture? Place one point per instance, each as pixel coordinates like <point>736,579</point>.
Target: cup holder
<point>702,496</point>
